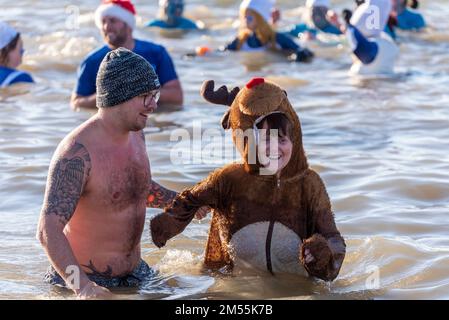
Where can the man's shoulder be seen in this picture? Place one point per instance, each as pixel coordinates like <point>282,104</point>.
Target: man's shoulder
<point>146,47</point>
<point>96,56</point>
<point>187,24</point>
<point>80,136</point>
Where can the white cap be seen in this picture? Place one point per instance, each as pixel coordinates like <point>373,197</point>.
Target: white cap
<point>371,17</point>
<point>318,3</point>
<point>262,7</point>
<point>7,34</point>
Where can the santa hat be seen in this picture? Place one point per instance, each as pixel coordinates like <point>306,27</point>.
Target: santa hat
<point>371,17</point>
<point>121,9</point>
<point>318,3</point>
<point>262,7</point>
<point>7,34</point>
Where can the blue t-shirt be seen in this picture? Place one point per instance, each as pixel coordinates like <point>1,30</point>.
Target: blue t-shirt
<point>284,41</point>
<point>155,54</point>
<point>411,20</point>
<point>181,23</point>
<point>10,76</point>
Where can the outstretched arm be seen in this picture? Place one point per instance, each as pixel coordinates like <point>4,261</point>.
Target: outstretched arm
<point>182,210</point>
<point>67,178</point>
<point>158,196</point>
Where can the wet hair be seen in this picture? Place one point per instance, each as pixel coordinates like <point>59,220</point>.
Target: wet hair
<point>9,47</point>
<point>414,4</point>
<point>279,122</point>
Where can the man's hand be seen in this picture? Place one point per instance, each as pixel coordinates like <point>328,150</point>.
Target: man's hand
<point>93,291</point>
<point>202,212</point>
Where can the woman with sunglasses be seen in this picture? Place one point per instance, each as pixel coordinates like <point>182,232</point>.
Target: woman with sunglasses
<point>11,52</point>
<point>256,33</point>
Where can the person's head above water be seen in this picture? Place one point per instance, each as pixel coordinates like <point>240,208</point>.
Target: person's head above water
<point>371,17</point>
<point>254,17</point>
<point>262,7</point>
<point>128,86</point>
<point>172,9</point>
<point>11,46</point>
<point>116,19</point>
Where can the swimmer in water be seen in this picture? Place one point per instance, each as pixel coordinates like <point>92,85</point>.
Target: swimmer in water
<point>271,212</point>
<point>373,50</point>
<point>256,34</point>
<point>171,16</point>
<point>11,52</point>
<point>407,16</point>
<point>320,18</point>
<point>116,20</point>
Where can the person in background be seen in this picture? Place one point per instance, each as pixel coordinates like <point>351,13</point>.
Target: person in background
<point>172,16</point>
<point>116,20</point>
<point>374,52</point>
<point>408,18</point>
<point>319,17</point>
<point>256,33</point>
<point>11,52</point>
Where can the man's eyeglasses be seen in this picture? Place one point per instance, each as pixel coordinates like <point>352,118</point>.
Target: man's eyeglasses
<point>147,98</point>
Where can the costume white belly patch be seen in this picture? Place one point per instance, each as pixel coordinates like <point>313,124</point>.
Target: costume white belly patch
<point>248,248</point>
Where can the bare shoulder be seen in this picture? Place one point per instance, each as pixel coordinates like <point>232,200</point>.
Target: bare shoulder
<point>67,177</point>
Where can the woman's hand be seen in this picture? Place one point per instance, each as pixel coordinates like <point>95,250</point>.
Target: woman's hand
<point>202,212</point>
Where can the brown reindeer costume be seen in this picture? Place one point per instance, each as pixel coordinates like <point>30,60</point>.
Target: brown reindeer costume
<point>260,220</point>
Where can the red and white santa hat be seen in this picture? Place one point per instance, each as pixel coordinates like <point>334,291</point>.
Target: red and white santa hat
<point>121,9</point>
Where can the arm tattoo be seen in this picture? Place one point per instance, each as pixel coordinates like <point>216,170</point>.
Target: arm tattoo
<point>67,178</point>
<point>158,196</point>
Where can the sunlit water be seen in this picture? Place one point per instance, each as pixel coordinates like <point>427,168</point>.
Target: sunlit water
<point>381,146</point>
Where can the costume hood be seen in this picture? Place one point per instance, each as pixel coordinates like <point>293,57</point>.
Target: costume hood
<point>371,17</point>
<point>257,98</point>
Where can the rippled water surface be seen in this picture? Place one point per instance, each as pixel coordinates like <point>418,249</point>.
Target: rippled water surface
<point>381,146</point>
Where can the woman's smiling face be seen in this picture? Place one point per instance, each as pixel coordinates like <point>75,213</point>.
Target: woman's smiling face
<point>278,148</point>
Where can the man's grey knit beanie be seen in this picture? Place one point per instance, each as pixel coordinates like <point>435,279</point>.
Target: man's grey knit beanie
<point>122,76</point>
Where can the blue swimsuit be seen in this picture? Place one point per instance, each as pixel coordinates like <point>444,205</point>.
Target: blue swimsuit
<point>10,76</point>
<point>365,50</point>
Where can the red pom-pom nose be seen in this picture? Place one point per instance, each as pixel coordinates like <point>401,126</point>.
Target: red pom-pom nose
<point>254,82</point>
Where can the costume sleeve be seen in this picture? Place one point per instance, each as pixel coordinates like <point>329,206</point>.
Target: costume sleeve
<point>181,211</point>
<point>365,50</point>
<point>324,225</point>
<point>233,45</point>
<point>286,42</point>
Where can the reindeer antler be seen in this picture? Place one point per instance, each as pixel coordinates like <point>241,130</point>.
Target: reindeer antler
<point>220,96</point>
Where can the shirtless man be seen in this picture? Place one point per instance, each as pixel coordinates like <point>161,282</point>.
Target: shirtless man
<point>98,184</point>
